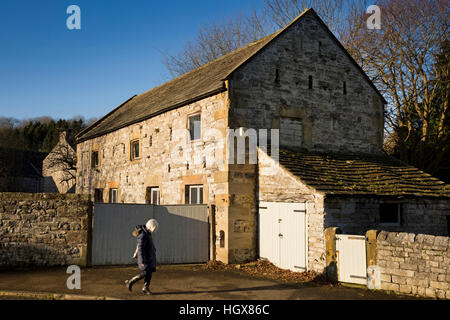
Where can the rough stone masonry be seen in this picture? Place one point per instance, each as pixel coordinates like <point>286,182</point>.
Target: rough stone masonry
<point>414,264</point>
<point>44,229</point>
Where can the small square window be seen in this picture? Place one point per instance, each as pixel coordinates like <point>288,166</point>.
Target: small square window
<point>195,127</point>
<point>390,214</point>
<point>94,162</point>
<point>135,152</point>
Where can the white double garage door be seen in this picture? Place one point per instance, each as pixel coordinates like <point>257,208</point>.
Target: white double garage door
<point>283,234</point>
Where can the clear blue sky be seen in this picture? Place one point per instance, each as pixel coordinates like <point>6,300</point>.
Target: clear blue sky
<point>46,69</point>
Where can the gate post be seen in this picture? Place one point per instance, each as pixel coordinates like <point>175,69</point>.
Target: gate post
<point>331,258</point>
<point>212,232</point>
<point>371,247</point>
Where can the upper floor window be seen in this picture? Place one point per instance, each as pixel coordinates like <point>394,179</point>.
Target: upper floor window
<point>135,152</point>
<point>195,127</point>
<point>113,195</point>
<point>194,194</point>
<point>94,162</point>
<point>390,214</point>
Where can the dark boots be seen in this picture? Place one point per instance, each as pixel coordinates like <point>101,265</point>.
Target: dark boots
<point>146,289</point>
<point>129,283</point>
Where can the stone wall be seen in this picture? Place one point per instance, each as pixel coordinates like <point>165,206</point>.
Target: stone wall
<point>44,229</point>
<point>356,215</point>
<point>414,264</point>
<point>274,85</point>
<point>161,148</point>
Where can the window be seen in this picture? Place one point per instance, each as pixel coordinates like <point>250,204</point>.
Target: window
<point>135,150</point>
<point>345,88</point>
<point>152,196</point>
<point>113,193</point>
<point>94,162</point>
<point>310,82</point>
<point>194,194</point>
<point>390,214</point>
<point>98,195</point>
<point>333,123</point>
<point>195,126</point>
<point>277,76</point>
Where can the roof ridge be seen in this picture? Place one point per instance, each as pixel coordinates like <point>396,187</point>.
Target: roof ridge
<point>211,62</point>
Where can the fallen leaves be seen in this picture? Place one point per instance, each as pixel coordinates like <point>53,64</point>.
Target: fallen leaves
<point>264,268</point>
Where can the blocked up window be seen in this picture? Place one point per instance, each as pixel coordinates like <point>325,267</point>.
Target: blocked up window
<point>194,194</point>
<point>195,127</point>
<point>113,195</point>
<point>94,162</point>
<point>98,195</point>
<point>390,213</point>
<point>290,132</point>
<point>134,147</point>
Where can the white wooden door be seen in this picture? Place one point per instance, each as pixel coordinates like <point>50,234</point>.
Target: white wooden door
<point>283,234</point>
<point>351,258</point>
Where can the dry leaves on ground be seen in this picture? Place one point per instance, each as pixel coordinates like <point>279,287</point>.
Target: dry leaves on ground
<point>265,269</point>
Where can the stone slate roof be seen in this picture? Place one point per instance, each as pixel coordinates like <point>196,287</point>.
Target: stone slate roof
<point>192,86</point>
<point>200,83</point>
<point>335,174</point>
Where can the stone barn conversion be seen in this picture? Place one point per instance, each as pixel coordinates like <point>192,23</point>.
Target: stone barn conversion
<point>331,170</point>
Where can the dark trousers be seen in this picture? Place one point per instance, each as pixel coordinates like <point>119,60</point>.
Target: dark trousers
<point>146,275</point>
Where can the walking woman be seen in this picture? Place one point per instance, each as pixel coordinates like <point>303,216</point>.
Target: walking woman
<point>146,255</point>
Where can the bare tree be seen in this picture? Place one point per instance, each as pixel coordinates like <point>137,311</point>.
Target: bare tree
<point>335,13</point>
<point>215,40</point>
<point>401,58</point>
<point>61,164</point>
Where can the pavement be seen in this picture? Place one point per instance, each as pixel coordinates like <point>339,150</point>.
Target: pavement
<point>175,282</point>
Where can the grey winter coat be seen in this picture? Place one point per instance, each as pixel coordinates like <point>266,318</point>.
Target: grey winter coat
<point>146,250</point>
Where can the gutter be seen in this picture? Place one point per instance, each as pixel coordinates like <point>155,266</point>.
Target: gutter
<point>178,105</point>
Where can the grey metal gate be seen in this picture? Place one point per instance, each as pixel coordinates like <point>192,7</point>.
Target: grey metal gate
<point>182,236</point>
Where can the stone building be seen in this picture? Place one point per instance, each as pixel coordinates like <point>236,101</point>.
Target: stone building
<point>21,171</point>
<point>162,146</point>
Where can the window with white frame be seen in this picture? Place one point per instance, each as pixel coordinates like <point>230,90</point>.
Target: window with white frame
<point>153,195</point>
<point>194,194</point>
<point>390,214</point>
<point>113,195</point>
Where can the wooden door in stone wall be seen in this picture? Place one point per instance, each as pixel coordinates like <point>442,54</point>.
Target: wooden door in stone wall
<point>283,234</point>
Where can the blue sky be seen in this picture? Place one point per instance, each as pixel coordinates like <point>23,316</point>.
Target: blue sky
<point>48,70</point>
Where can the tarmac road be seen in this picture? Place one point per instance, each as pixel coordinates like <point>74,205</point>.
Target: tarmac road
<point>182,282</point>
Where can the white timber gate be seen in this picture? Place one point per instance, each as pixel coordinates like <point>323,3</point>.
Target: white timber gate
<point>183,235</point>
<point>283,235</point>
<point>351,258</point>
